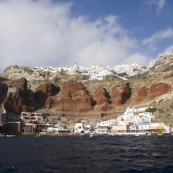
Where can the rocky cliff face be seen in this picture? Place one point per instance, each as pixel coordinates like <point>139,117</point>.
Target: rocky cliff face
<point>142,93</point>
<point>163,64</point>
<point>152,91</point>
<point>101,96</point>
<point>102,99</point>
<point>19,83</point>
<point>106,95</point>
<point>43,91</point>
<point>21,100</point>
<point>74,98</point>
<point>120,93</point>
<point>158,89</point>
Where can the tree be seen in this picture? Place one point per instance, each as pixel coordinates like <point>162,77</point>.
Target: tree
<point>151,110</point>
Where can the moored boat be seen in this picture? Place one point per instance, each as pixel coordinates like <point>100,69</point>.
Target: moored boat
<point>10,135</point>
<point>92,134</point>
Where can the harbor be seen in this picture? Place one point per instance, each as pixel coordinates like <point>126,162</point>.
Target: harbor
<point>133,121</point>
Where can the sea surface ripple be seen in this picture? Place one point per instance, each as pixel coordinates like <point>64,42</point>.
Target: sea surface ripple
<point>78,154</point>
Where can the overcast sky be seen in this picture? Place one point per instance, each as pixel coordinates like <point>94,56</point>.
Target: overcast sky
<point>59,33</point>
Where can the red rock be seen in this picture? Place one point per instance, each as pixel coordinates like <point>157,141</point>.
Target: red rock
<point>158,89</point>
<point>44,91</point>
<point>50,102</point>
<point>74,98</point>
<point>101,96</point>
<point>120,93</point>
<point>142,93</point>
<point>19,101</point>
<point>19,83</point>
<point>152,91</point>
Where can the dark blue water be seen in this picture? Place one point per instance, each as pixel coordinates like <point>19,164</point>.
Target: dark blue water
<point>78,154</point>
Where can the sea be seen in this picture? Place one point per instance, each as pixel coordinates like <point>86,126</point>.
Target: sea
<point>81,154</point>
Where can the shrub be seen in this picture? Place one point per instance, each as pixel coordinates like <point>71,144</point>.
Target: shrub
<point>151,110</point>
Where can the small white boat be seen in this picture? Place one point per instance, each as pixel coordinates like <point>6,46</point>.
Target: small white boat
<point>10,135</point>
<point>136,134</point>
<point>92,134</point>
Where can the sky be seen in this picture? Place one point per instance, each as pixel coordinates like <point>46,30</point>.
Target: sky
<point>59,33</point>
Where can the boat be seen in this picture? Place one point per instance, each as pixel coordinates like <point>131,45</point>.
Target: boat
<point>92,134</point>
<point>10,135</point>
<point>136,134</point>
<point>159,134</point>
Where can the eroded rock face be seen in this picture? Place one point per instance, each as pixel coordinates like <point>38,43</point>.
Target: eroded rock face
<point>44,91</point>
<point>19,83</point>
<point>102,99</point>
<point>152,91</point>
<point>157,90</point>
<point>101,96</point>
<point>51,102</point>
<point>74,98</point>
<point>120,94</point>
<point>20,100</point>
<point>142,93</point>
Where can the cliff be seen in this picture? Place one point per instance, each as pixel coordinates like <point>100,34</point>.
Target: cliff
<point>78,94</point>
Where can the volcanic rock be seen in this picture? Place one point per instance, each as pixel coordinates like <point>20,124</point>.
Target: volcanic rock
<point>74,98</point>
<point>20,100</point>
<point>152,91</point>
<point>120,93</point>
<point>19,83</point>
<point>101,96</point>
<point>158,89</point>
<point>44,91</point>
<point>142,94</point>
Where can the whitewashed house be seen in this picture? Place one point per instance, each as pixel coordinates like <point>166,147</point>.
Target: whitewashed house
<point>104,127</point>
<point>81,128</point>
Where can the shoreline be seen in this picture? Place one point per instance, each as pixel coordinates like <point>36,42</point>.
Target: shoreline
<point>76,134</point>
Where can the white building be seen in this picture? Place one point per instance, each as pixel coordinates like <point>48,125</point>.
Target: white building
<point>108,123</point>
<point>144,126</point>
<point>81,128</point>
